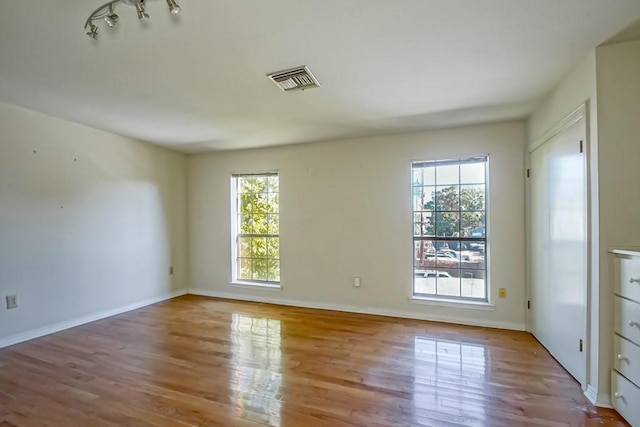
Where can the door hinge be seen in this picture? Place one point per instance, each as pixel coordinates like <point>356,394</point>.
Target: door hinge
<point>528,173</point>
<point>581,147</point>
<point>529,305</point>
<point>580,346</point>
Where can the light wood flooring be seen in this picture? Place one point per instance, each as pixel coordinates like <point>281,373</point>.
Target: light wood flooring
<point>197,361</point>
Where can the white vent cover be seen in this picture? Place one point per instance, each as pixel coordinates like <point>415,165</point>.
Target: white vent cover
<point>294,78</point>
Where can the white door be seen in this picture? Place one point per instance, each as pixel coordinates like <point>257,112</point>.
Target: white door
<point>558,247</point>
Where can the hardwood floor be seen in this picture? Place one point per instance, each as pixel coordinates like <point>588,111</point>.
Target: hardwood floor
<point>197,361</point>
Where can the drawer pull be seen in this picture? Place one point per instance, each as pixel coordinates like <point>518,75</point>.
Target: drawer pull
<point>632,280</point>
<point>618,395</point>
<point>620,357</point>
<point>633,323</point>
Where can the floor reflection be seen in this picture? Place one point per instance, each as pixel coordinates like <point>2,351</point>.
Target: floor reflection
<point>449,378</point>
<point>256,366</point>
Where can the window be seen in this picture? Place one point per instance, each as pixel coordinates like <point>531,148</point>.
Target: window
<point>449,228</point>
<point>257,228</point>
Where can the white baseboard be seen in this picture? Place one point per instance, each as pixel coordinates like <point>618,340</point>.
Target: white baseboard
<point>363,310</point>
<point>591,394</point>
<point>36,333</point>
<point>602,400</point>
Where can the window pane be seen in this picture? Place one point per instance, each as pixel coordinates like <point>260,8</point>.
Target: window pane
<point>473,270</point>
<point>273,202</point>
<point>259,247</point>
<point>245,225</point>
<point>424,198</point>
<point>259,269</point>
<point>472,173</point>
<point>449,174</point>
<point>447,285</point>
<point>273,270</point>
<point>472,257</point>
<point>273,247</point>
<point>471,197</point>
<point>423,225</point>
<point>444,262</point>
<point>424,283</point>
<point>261,202</point>
<point>273,183</point>
<point>449,251</point>
<point>448,198</point>
<point>473,281</point>
<point>247,201</point>
<point>417,253</point>
<point>244,247</point>
<point>447,224</point>
<point>417,197</point>
<point>273,225</point>
<point>244,185</point>
<point>424,176</point>
<point>244,268</point>
<point>260,223</point>
<point>424,254</point>
<point>472,224</point>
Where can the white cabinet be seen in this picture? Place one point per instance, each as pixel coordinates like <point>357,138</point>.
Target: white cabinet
<point>625,377</point>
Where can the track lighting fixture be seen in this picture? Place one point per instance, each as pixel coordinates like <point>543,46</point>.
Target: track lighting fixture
<point>107,13</point>
<point>142,14</point>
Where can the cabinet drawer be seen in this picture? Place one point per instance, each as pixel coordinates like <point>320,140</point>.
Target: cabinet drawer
<point>628,283</point>
<point>626,359</point>
<point>627,319</point>
<point>625,397</point>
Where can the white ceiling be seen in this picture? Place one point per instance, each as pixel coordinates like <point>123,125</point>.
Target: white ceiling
<point>196,82</point>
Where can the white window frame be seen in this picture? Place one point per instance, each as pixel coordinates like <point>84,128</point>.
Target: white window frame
<point>235,206</point>
<point>453,299</point>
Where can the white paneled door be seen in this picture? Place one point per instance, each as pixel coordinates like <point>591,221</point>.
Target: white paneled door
<point>558,246</point>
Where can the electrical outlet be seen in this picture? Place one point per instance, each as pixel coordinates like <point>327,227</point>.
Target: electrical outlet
<point>356,281</point>
<point>502,292</point>
<point>12,301</point>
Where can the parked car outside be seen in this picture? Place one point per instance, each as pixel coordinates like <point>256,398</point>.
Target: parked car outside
<point>436,273</point>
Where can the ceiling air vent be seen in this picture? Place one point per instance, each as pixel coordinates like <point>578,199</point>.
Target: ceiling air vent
<point>294,78</point>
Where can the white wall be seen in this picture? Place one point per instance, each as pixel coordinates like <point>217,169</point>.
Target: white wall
<point>346,211</point>
<point>618,71</point>
<point>618,68</point>
<point>578,88</point>
<point>89,222</point>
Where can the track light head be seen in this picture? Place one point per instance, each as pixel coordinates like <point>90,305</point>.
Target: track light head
<point>93,32</point>
<point>174,8</point>
<point>142,14</point>
<point>111,20</point>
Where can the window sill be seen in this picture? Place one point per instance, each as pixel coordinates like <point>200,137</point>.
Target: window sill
<point>254,285</point>
<point>473,305</point>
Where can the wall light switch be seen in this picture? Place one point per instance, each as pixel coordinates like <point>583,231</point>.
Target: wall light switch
<point>356,281</point>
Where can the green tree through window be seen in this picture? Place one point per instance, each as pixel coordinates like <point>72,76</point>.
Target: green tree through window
<point>257,228</point>
<point>458,211</point>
